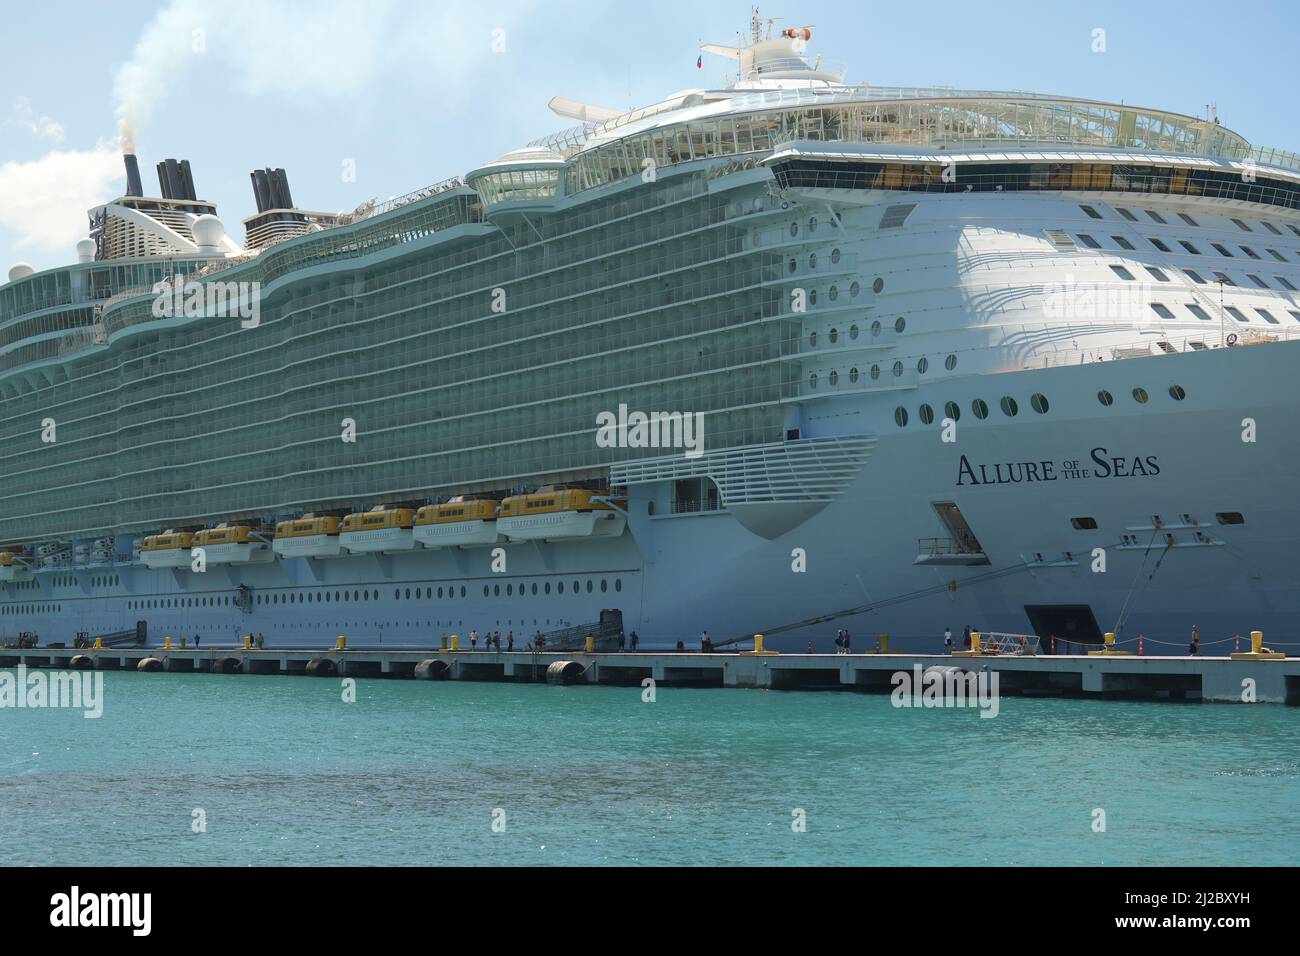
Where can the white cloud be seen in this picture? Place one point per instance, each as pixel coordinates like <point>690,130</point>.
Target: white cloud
<point>43,202</point>
<point>42,127</point>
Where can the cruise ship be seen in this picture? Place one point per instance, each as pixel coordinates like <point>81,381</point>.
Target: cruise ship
<point>784,357</point>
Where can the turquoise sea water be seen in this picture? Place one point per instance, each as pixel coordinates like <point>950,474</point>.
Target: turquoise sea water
<point>412,772</point>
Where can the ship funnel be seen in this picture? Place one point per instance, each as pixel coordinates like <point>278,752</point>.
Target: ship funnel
<point>271,189</point>
<point>133,185</point>
<point>176,180</point>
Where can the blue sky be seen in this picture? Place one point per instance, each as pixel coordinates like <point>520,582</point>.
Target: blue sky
<point>411,91</point>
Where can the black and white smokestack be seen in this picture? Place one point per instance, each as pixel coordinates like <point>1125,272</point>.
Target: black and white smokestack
<point>280,186</point>
<point>175,180</point>
<point>133,185</point>
<point>261,189</point>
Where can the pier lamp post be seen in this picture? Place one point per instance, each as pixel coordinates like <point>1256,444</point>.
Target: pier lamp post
<point>1223,316</point>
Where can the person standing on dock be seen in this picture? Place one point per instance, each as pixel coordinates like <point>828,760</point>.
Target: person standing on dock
<point>510,641</point>
<point>848,642</point>
<point>634,639</point>
<point>947,640</point>
<point>622,642</point>
<point>965,638</point>
<point>704,643</point>
<point>1194,648</point>
<point>196,640</point>
<point>473,638</point>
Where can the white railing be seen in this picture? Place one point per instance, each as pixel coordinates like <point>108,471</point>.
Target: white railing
<point>1162,345</point>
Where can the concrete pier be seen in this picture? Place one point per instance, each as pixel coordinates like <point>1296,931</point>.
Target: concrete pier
<point>1219,679</point>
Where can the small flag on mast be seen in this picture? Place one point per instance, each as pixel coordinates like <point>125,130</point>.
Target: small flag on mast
<point>699,61</point>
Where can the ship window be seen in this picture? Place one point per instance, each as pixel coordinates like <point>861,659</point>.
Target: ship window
<point>794,229</point>
<point>1259,283</point>
<point>1039,403</point>
<point>1270,227</point>
<point>1122,273</point>
<point>1105,398</point>
<point>1194,276</point>
<point>547,588</point>
<point>812,260</point>
<point>853,332</point>
<point>1249,251</point>
<point>1276,255</point>
<point>604,585</point>
<point>1157,274</point>
<point>952,410</point>
<point>854,289</point>
<point>1091,213</point>
<point>1176,393</point>
<point>1140,395</point>
<point>834,292</point>
<point>521,591</point>
<point>834,378</point>
<point>878,286</point>
<point>853,376</point>
<point>560,587</point>
<point>834,336</point>
<point>1197,311</point>
<point>439,594</point>
<point>1224,278</point>
<point>1009,406</point>
<point>1088,241</point>
<point>927,414</point>
<point>510,590</point>
<point>898,369</point>
<point>577,586</point>
<point>1222,249</point>
<point>1242,225</point>
<point>356,595</point>
<point>618,584</point>
<point>900,416</point>
<point>1159,244</point>
<point>875,328</point>
<point>1084,524</point>
<point>1267,316</point>
<point>462,590</point>
<point>980,408</point>
<point>1122,242</point>
<point>1188,219</point>
<point>1161,310</point>
<point>812,224</point>
<point>1230,517</point>
<point>588,585</point>
<point>875,372</point>
<point>812,296</point>
<point>1155,216</point>
<point>1126,214</point>
<point>396,594</point>
<point>1236,313</point>
<point>922,365</point>
<point>835,256</point>
<point>899,324</point>
<point>812,380</point>
<point>793,265</point>
<point>812,340</point>
<point>408,594</point>
<point>1189,247</point>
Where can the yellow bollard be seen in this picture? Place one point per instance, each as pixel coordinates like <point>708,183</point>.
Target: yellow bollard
<point>974,642</point>
<point>758,650</point>
<point>1108,648</point>
<point>758,643</point>
<point>1257,642</point>
<point>1110,641</point>
<point>99,643</point>
<point>455,642</point>
<point>443,646</point>
<point>248,642</point>
<point>591,644</point>
<point>341,644</point>
<point>167,643</point>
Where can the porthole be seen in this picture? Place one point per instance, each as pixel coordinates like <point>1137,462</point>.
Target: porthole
<point>396,594</point>
<point>589,585</point>
<point>1140,395</point>
<point>812,340</point>
<point>462,590</point>
<point>812,296</point>
<point>834,292</point>
<point>1176,393</point>
<point>922,365</point>
<point>900,416</point>
<point>834,378</point>
<point>1105,397</point>
<point>900,324</point>
<point>1009,406</point>
<point>875,372</point>
<point>534,587</point>
<point>898,368</point>
<point>793,265</point>
<point>577,586</point>
<point>547,588</point>
<point>812,260</point>
<point>854,289</point>
<point>950,362</point>
<point>794,229</point>
<point>604,585</point>
<point>485,590</point>
<point>835,256</point>
<point>1038,402</point>
<point>927,414</point>
<point>853,332</point>
<point>812,224</point>
<point>560,587</point>
<point>834,336</point>
<point>439,594</point>
<point>408,594</point>
<point>952,410</point>
<point>875,328</point>
<point>878,286</point>
<point>510,590</point>
<point>812,380</point>
<point>618,584</point>
<point>980,408</point>
<point>853,376</point>
<point>356,595</point>
<point>496,590</point>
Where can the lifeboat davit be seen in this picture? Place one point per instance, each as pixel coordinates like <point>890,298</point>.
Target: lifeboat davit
<point>380,530</point>
<point>459,523</point>
<point>14,566</point>
<point>554,514</point>
<point>234,544</point>
<point>311,536</point>
<point>170,549</point>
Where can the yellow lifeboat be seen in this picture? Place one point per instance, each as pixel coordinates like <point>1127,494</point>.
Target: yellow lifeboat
<point>311,536</point>
<point>171,549</point>
<point>233,544</point>
<point>462,522</point>
<point>379,530</point>
<point>555,513</point>
<point>14,566</point>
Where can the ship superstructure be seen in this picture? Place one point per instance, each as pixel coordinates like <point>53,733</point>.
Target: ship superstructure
<point>945,345</point>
